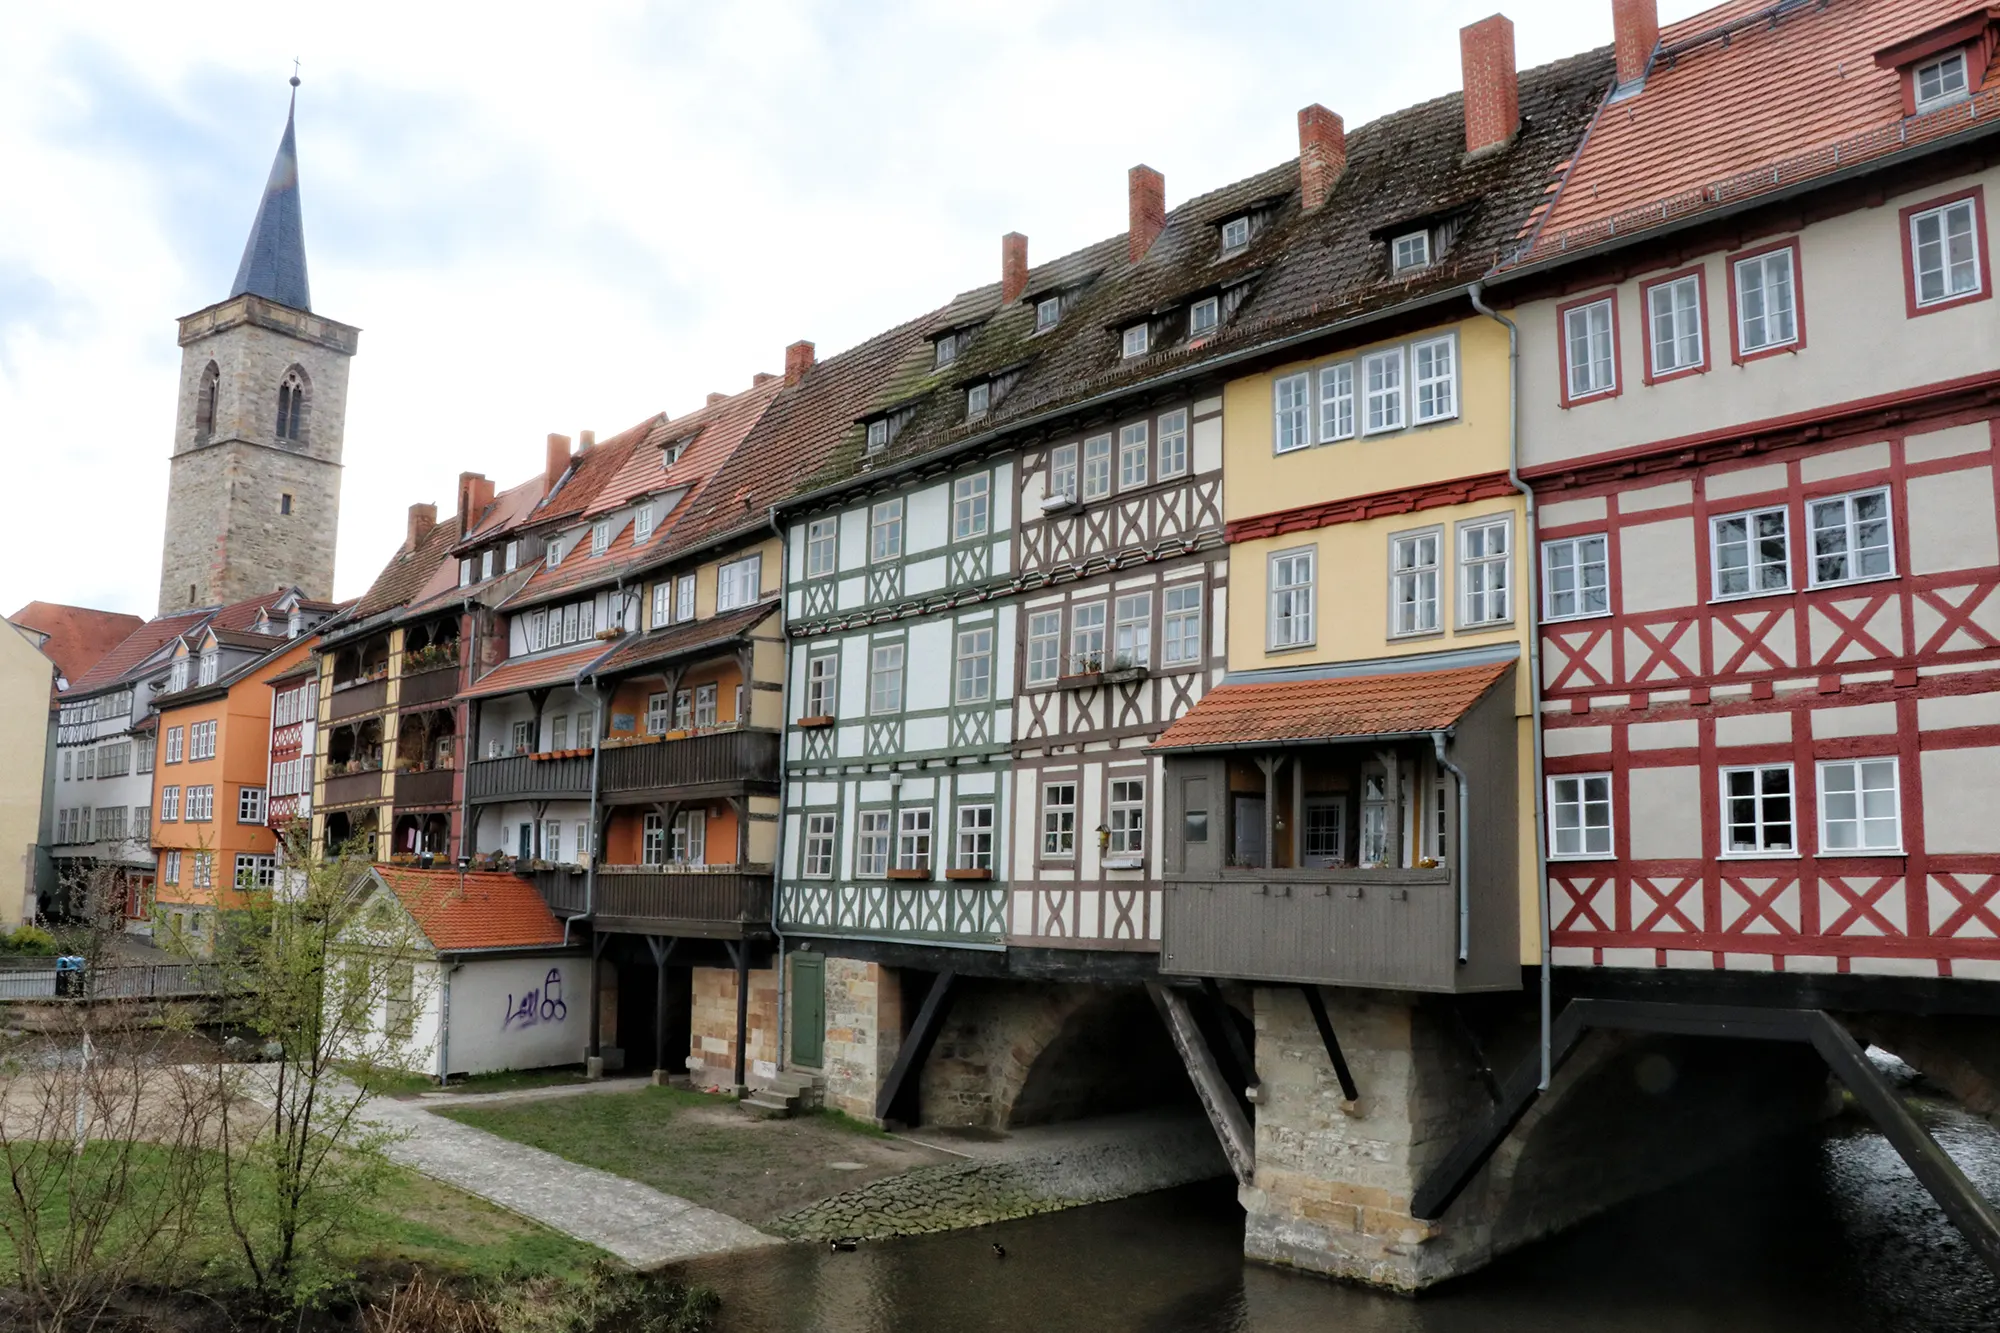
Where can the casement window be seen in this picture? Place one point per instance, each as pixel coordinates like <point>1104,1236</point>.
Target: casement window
<point>256,872</point>
<point>1133,343</point>
<point>1180,625</point>
<point>170,804</point>
<point>913,840</point>
<point>1086,638</point>
<point>1097,467</point>
<point>885,530</point>
<point>1859,806</point>
<point>523,738</point>
<point>582,841</point>
<point>1132,632</point>
<point>201,804</point>
<point>819,847</point>
<point>201,740</point>
<point>947,350</point>
<point>1757,813</point>
<point>559,732</point>
<point>642,525</point>
<point>822,547</point>
<point>1059,819</point>
<point>977,399</point>
<point>1235,235</point>
<point>1590,365</point>
<point>1336,402</point>
<point>736,583</point>
<point>211,666</point>
<point>1413,582</point>
<point>971,506</point>
<point>704,705</point>
<point>975,665</point>
<point>885,678</point>
<point>170,868</point>
<point>1128,817</point>
<point>1203,316</point>
<point>1378,848</point>
<point>871,859</point>
<point>1575,578</point>
<point>1940,81</point>
<point>1290,405</point>
<point>653,841</point>
<point>1411,251</point>
<point>1434,372</point>
<point>600,536</point>
<point>67,764</point>
<point>1062,470</point>
<point>878,436</point>
<point>683,709</point>
<point>684,597</point>
<point>1673,326</point>
<point>1173,444</point>
<point>177,678</point>
<point>1044,647</point>
<point>690,838</point>
<point>1767,315</point>
<point>1751,553</point>
<point>1134,451</point>
<point>555,552</point>
<point>1944,253</point>
<point>1047,311</point>
<point>250,805</point>
<point>174,737</point>
<point>1485,586</point>
<point>1851,538</point>
<point>659,713</point>
<point>663,603</point>
<point>975,838</point>
<point>552,840</point>
<point>1382,385</point>
<point>485,565</point>
<point>1580,815</point>
<point>204,875</point>
<point>822,685</point>
<point>1291,611</point>
<point>513,556</point>
<point>142,822</point>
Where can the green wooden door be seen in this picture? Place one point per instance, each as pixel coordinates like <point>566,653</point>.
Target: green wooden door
<point>808,1009</point>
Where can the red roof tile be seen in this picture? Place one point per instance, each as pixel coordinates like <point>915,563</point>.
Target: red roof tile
<point>532,672</point>
<point>678,640</point>
<point>476,910</point>
<point>75,637</point>
<point>134,649</point>
<point>1293,711</point>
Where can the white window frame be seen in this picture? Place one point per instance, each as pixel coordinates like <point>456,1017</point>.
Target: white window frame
<point>946,350</point>
<point>971,506</point>
<point>1486,575</point>
<point>1383,403</point>
<point>1235,234</point>
<point>1135,453</point>
<point>822,547</point>
<point>1760,821</point>
<point>642,524</point>
<point>663,603</point>
<point>707,703</point>
<point>688,841</point>
<point>1683,324</point>
<point>1126,805</point>
<point>600,536</point>
<point>738,582</point>
<point>1416,583</point>
<point>1059,821</point>
<point>1762,264</point>
<point>885,678</point>
<point>250,805</point>
<point>1336,402</point>
<point>1579,569</point>
<point>817,862</point>
<point>1849,530</point>
<point>1434,379</point>
<point>170,804</point>
<point>913,838</point>
<point>1942,216</point>
<point>885,531</point>
<point>1859,772</point>
<point>1097,467</point>
<point>972,675</point>
<point>1753,568</point>
<point>1132,342</point>
<point>1580,799</point>
<point>1291,413</point>
<point>1291,605</point>
<point>1044,647</point>
<point>1173,443</point>
<point>1063,470</point>
<point>684,597</point>
<point>873,843</point>
<point>1086,638</point>
<point>659,713</point>
<point>1180,624</point>
<point>1048,311</point>
<point>1946,66</point>
<point>822,684</point>
<point>174,751</point>
<point>973,844</point>
<point>878,435</point>
<point>978,399</point>
<point>1411,251</point>
<point>1132,632</point>
<point>1590,350</point>
<point>1204,315</point>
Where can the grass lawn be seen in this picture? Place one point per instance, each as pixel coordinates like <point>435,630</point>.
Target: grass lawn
<point>396,1083</point>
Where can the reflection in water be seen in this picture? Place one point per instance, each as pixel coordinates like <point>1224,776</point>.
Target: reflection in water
<point>1827,1233</point>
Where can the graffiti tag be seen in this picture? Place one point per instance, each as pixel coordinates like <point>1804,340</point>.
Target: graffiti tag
<point>544,1005</point>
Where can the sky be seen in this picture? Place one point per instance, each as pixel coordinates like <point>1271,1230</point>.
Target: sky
<point>568,217</point>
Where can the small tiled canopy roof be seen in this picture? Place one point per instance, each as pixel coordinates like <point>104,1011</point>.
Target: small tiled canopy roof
<point>535,672</point>
<point>476,910</point>
<point>1338,708</point>
<point>679,640</point>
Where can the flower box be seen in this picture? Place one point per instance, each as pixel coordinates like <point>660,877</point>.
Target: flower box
<point>968,874</point>
<point>818,720</point>
<point>909,874</point>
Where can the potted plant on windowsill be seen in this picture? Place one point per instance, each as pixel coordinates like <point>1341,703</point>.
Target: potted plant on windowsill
<point>915,872</point>
<point>967,873</point>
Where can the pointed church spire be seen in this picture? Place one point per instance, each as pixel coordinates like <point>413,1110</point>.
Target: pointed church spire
<point>274,258</point>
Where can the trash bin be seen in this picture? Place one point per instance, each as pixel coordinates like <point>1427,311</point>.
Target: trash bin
<point>69,976</point>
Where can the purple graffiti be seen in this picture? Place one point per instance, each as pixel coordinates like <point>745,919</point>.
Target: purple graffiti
<point>537,1006</point>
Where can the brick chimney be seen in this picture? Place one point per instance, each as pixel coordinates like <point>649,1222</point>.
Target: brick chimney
<point>1636,31</point>
<point>422,519</point>
<point>1492,93</point>
<point>798,360</point>
<point>761,378</point>
<point>586,440</point>
<point>714,398</point>
<point>474,494</point>
<point>1146,197</point>
<point>1322,154</point>
<point>1013,267</point>
<point>558,461</point>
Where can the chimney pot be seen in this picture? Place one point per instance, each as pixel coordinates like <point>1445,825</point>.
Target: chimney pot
<point>798,360</point>
<point>1013,267</point>
<point>1322,154</point>
<point>1636,28</point>
<point>423,517</point>
<point>1492,92</point>
<point>585,439</point>
<point>558,462</point>
<point>1146,200</point>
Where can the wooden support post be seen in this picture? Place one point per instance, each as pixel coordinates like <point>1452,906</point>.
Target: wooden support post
<point>1232,1127</point>
<point>593,1059</point>
<point>917,1045</point>
<point>1317,1003</point>
<point>1225,1018</point>
<point>662,950</point>
<point>1270,767</point>
<point>739,953</point>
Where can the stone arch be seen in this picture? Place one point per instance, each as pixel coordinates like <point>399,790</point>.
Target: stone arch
<point>294,405</point>
<point>207,401</point>
<point>1111,1054</point>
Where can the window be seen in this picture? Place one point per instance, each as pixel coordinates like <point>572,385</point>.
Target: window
<point>250,805</point>
<point>284,503</point>
<point>819,847</point>
<point>975,665</point>
<point>1086,638</point>
<point>1044,647</point>
<point>684,597</point>
<point>1180,625</point>
<point>1940,81</point>
<point>970,506</point>
<point>523,737</point>
<point>690,838</point>
<point>170,804</point>
<point>1434,367</point>
<point>465,573</point>
<point>201,741</point>
<point>1858,806</point>
<point>555,552</point>
<point>885,530</point>
<point>1059,819</point>
<point>642,525</point>
<point>600,536</point>
<point>975,837</point>
<point>1413,583</point>
<point>1590,365</point>
<point>1575,579</point>
<point>1291,598</point>
<point>1203,316</point>
<point>1134,452</point>
<point>177,679</point>
<point>513,559</point>
<point>1757,809</point>
<point>1673,326</point>
<point>977,399</point>
<point>872,853</point>
<point>1097,467</point>
<point>1485,550</point>
<point>200,804</point>
<point>1047,311</point>
<point>1128,816</point>
<point>659,713</point>
<point>292,400</point>
<point>822,685</point>
<point>1133,342</point>
<point>822,546</point>
<point>1132,632</point>
<point>1850,538</point>
<point>704,705</point>
<point>204,874</point>
<point>663,602</point>
<point>1766,302</point>
<point>1336,402</point>
<point>552,840</point>
<point>653,841</point>
<point>142,821</point>
<point>1382,377</point>
<point>1411,250</point>
<point>878,435</point>
<point>947,350</point>
<point>1944,252</point>
<point>1580,815</point>
<point>1235,234</point>
<point>1062,470</point>
<point>736,582</point>
<point>683,709</point>
<point>1173,444</point>
<point>1375,838</point>
<point>211,665</point>
<point>1751,553</point>
<point>1325,834</point>
<point>1289,430</point>
<point>913,840</point>
<point>885,679</point>
<point>170,868</point>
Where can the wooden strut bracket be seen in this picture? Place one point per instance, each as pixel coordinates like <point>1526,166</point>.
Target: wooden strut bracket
<point>662,949</point>
<point>917,1045</point>
<point>1317,1003</point>
<point>1225,1018</point>
<point>1975,1218</point>
<point>1232,1126</point>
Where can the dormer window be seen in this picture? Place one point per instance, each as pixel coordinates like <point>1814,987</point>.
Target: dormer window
<point>642,524</point>
<point>555,552</point>
<point>1940,81</point>
<point>977,399</point>
<point>1411,251</point>
<point>878,436</point>
<point>1134,341</point>
<point>672,453</point>
<point>465,572</point>
<point>600,536</point>
<point>513,555</point>
<point>177,679</point>
<point>1203,316</point>
<point>947,349</point>
<point>485,565</point>
<point>1235,234</point>
<point>211,665</point>
<point>1047,311</point>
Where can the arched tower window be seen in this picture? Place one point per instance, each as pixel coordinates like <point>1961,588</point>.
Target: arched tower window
<point>205,402</point>
<point>292,391</point>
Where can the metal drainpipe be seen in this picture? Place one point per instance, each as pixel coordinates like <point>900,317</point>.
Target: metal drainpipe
<point>1532,546</point>
<point>1461,859</point>
<point>778,847</point>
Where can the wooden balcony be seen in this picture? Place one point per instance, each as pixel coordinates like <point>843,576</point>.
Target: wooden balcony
<point>726,903</point>
<point>355,788</point>
<point>523,777</point>
<point>435,786</point>
<point>434,683</point>
<point>716,763</point>
<point>562,889</point>
<point>368,696</point>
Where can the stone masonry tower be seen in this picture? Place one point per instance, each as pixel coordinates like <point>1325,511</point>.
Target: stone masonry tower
<point>254,494</point>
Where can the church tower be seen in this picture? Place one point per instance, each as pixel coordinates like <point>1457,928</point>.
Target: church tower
<point>254,495</point>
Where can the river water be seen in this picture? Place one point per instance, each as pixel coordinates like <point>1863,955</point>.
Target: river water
<point>1821,1233</point>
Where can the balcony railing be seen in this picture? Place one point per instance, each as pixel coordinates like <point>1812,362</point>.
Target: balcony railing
<point>431,684</point>
<point>712,762</point>
<point>725,903</point>
<point>432,786</point>
<point>356,698</point>
<point>354,788</point>
<point>562,889</point>
<point>528,777</point>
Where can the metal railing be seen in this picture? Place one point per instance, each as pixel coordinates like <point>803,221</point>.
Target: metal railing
<point>152,981</point>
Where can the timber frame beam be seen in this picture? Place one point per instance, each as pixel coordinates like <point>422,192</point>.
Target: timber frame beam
<point>916,1047</point>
